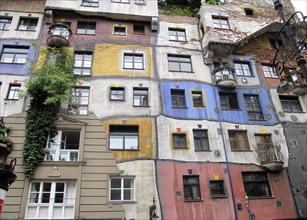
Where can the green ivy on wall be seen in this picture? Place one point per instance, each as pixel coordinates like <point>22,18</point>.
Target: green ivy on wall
<point>49,86</point>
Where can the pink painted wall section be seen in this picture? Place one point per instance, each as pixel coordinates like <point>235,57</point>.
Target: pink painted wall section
<point>174,206</point>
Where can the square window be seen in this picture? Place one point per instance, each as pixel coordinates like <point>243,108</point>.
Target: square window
<point>179,63</point>
<point>269,71</point>
<point>124,137</point>
<point>5,23</point>
<point>140,96</point>
<point>86,28</point>
<point>197,97</point>
<point>141,2</point>
<point>83,63</point>
<point>15,54</point>
<point>138,29</point>
<point>121,1</point>
<point>238,140</point>
<point>177,34</point>
<point>119,30</point>
<point>178,98</point>
<point>290,104</point>
<point>133,61</point>
<point>253,107</point>
<point>256,184</point>
<point>79,101</point>
<point>179,141</point>
<point>117,94</point>
<point>91,3</point>
<point>27,24</point>
<point>191,188</point>
<point>228,101</point>
<point>122,189</point>
<point>13,93</point>
<point>220,22</point>
<point>217,188</point>
<point>201,141</point>
<point>242,69</point>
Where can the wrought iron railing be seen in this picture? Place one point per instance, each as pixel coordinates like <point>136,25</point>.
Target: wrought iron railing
<point>223,73</point>
<point>269,153</point>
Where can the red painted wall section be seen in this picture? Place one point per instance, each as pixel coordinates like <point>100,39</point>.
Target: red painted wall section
<point>174,206</point>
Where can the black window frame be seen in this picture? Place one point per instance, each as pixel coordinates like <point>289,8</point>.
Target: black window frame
<point>188,188</point>
<point>88,27</point>
<point>229,101</point>
<point>217,189</point>
<point>251,181</point>
<point>178,98</point>
<point>179,140</point>
<point>253,113</point>
<point>218,22</point>
<point>179,61</point>
<point>30,23</point>
<point>124,131</point>
<point>289,101</point>
<point>17,51</point>
<point>84,55</point>
<point>14,88</point>
<point>242,68</point>
<point>114,92</point>
<point>199,137</point>
<point>76,104</point>
<point>197,98</point>
<point>119,30</point>
<point>5,22</point>
<point>141,96</point>
<point>234,140</point>
<point>138,29</point>
<point>176,34</point>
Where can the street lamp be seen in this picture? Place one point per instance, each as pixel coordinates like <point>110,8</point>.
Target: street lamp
<point>152,210</point>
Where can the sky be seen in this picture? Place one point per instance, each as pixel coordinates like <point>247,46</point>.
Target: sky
<point>300,5</point>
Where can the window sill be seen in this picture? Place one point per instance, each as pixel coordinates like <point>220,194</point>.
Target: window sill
<point>140,3</point>
<point>257,198</point>
<point>173,71</point>
<point>231,109</point>
<point>11,99</point>
<point>127,3</point>
<point>245,76</point>
<point>117,100</point>
<point>257,120</point>
<point>180,148</point>
<point>219,197</point>
<point>194,200</point>
<point>26,30</point>
<point>86,34</point>
<point>199,106</point>
<point>4,30</point>
<point>181,41</point>
<point>64,163</point>
<point>133,69</point>
<point>241,150</point>
<point>293,112</point>
<point>90,6</point>
<point>13,63</point>
<point>180,107</point>
<point>125,149</point>
<point>138,106</point>
<point>198,151</point>
<point>122,202</point>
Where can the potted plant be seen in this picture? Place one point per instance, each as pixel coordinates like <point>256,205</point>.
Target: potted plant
<point>4,136</point>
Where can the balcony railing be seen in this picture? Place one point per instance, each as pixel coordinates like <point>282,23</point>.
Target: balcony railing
<point>224,77</point>
<point>270,156</point>
<point>300,84</point>
<point>59,35</point>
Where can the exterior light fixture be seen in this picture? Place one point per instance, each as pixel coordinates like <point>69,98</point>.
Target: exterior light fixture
<point>152,210</point>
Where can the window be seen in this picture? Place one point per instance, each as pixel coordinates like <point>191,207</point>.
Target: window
<point>13,92</point>
<point>256,184</point>
<point>141,2</point>
<point>83,63</point>
<point>249,12</point>
<point>179,63</point>
<point>119,30</point>
<point>140,96</point>
<point>201,141</point>
<point>63,145</point>
<point>242,69</point>
<point>217,188</point>
<point>27,24</point>
<point>51,200</point>
<point>117,94</point>
<point>178,98</point>
<point>265,148</point>
<point>51,58</point>
<point>238,140</point>
<point>79,101</point>
<point>177,34</point>
<point>124,137</point>
<point>191,188</point>
<point>121,1</point>
<point>290,104</point>
<point>179,141</point>
<point>133,61</point>
<point>253,107</point>
<point>122,189</point>
<point>14,54</point>
<point>91,3</point>
<point>60,29</point>
<point>197,97</point>
<point>220,22</point>
<point>86,28</point>
<point>269,71</point>
<point>5,23</point>
<point>228,101</point>
<point>138,29</point>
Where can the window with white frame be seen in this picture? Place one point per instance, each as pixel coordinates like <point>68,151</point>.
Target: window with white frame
<point>176,34</point>
<point>86,27</point>
<point>91,3</point>
<point>13,92</point>
<point>242,68</point>
<point>179,63</point>
<point>83,63</point>
<point>124,137</point>
<point>122,189</point>
<point>121,1</point>
<point>14,54</point>
<point>51,200</point>
<point>269,71</point>
<point>117,93</point>
<point>5,23</point>
<point>140,96</point>
<point>141,2</point>
<point>134,61</point>
<point>220,22</point>
<point>119,31</point>
<point>63,145</point>
<point>79,101</point>
<point>27,24</point>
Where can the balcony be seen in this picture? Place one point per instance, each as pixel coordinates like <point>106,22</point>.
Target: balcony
<point>59,35</point>
<point>224,77</point>
<point>300,85</point>
<point>270,156</point>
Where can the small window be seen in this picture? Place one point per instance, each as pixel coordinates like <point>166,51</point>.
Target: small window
<point>124,137</point>
<point>201,141</point>
<point>14,54</point>
<point>86,28</point>
<point>117,94</point>
<point>197,97</point>
<point>249,12</point>
<point>13,93</point>
<point>256,184</point>
<point>290,104</point>
<point>220,22</point>
<point>133,61</point>
<point>141,2</point>
<point>179,141</point>
<point>178,98</point>
<point>238,140</point>
<point>191,188</point>
<point>228,101</point>
<point>138,29</point>
<point>217,188</point>
<point>253,107</point>
<point>122,189</point>
<point>79,101</point>
<point>5,23</point>
<point>179,63</point>
<point>83,63</point>
<point>27,24</point>
<point>242,68</point>
<point>269,71</point>
<point>91,3</point>
<point>177,34</point>
<point>140,96</point>
<point>121,1</point>
<point>119,30</point>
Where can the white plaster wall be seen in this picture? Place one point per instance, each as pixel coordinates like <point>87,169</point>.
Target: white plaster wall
<point>145,188</point>
<point>9,107</point>
<point>101,105</point>
<point>289,116</point>
<point>14,33</point>
<point>167,126</point>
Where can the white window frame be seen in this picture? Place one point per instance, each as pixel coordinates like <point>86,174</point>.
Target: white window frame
<point>5,22</point>
<point>124,137</point>
<point>83,61</point>
<point>25,24</point>
<point>122,189</point>
<point>269,71</point>
<point>243,69</point>
<point>90,3</point>
<point>119,32</point>
<point>79,101</point>
<point>175,34</point>
<point>133,64</point>
<point>14,54</point>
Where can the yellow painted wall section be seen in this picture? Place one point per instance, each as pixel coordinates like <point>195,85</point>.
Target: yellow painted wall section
<point>146,138</point>
<point>108,60</point>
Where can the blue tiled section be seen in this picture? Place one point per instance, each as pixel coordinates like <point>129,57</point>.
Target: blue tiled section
<point>17,69</point>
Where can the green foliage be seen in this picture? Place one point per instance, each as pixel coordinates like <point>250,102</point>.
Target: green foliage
<point>49,86</point>
<point>178,10</point>
<point>4,136</point>
<point>212,2</point>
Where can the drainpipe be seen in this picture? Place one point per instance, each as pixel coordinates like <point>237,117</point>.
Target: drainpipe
<point>220,122</point>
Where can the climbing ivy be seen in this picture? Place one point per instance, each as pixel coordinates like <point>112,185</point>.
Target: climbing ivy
<point>49,86</point>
